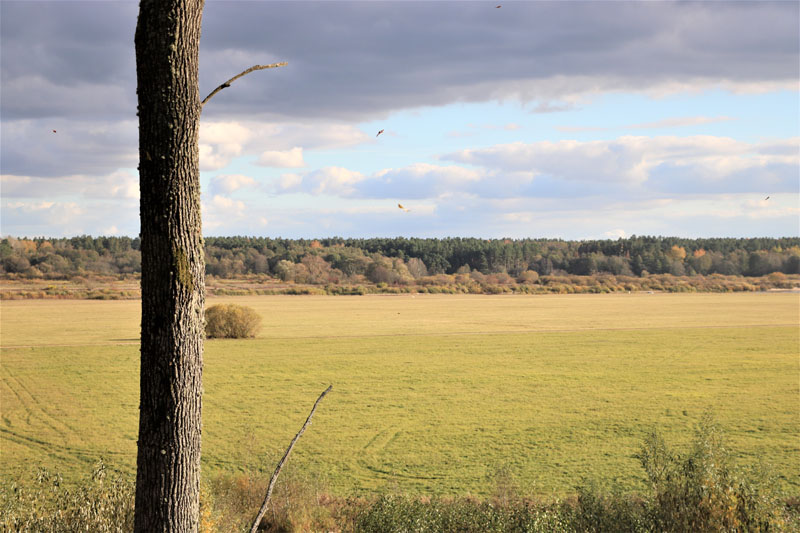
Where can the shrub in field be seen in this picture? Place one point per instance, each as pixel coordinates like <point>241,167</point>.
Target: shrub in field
<point>229,321</point>
<point>702,491</point>
<point>594,511</point>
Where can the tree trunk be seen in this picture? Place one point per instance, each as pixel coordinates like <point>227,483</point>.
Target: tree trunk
<point>173,292</point>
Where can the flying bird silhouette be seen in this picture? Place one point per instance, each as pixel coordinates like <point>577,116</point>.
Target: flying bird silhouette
<point>379,133</point>
<point>767,198</point>
<point>403,208</point>
<point>497,7</point>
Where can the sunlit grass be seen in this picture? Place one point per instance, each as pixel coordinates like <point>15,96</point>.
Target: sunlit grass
<point>431,394</point>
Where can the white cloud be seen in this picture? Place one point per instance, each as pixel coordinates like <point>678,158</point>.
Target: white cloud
<point>228,183</point>
<point>581,129</point>
<point>451,174</point>
<point>672,122</point>
<point>229,132</point>
<point>36,206</point>
<point>674,164</point>
<point>234,207</point>
<point>122,184</point>
<point>616,234</point>
<point>222,211</point>
<point>625,168</point>
<point>628,168</point>
<point>52,218</point>
<point>220,142</point>
<point>616,161</point>
<point>286,159</point>
<point>279,144</point>
<point>290,182</point>
<point>332,180</point>
<point>677,122</point>
<point>416,181</point>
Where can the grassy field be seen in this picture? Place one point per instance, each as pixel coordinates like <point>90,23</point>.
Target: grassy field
<point>432,394</point>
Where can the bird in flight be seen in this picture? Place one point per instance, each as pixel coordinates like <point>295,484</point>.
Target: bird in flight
<point>767,198</point>
<point>497,7</point>
<point>379,133</point>
<point>403,208</point>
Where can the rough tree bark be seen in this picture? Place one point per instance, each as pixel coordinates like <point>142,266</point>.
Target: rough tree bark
<point>168,462</point>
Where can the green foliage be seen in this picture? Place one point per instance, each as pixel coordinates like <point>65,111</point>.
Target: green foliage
<point>401,514</point>
<point>101,503</point>
<point>332,259</point>
<point>702,491</point>
<point>231,321</point>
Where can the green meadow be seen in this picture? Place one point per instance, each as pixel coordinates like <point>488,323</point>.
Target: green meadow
<point>432,394</point>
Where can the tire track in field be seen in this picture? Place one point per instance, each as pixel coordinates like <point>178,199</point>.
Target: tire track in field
<point>19,399</point>
<point>41,405</point>
<point>57,451</point>
<point>373,451</point>
<point>34,407</point>
<point>381,440</point>
<point>435,334</point>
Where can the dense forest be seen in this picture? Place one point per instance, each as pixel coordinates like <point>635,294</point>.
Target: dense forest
<point>395,260</point>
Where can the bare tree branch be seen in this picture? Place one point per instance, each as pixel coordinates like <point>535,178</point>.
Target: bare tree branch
<point>248,71</point>
<point>263,509</point>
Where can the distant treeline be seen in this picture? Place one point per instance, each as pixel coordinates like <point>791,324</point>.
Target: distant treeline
<point>394,260</point>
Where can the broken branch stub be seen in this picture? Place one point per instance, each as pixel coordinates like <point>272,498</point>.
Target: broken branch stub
<point>248,71</point>
<point>274,477</point>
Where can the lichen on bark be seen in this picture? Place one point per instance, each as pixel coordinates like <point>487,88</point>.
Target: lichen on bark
<point>183,271</point>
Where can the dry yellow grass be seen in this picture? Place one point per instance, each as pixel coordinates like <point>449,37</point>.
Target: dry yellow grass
<point>432,394</point>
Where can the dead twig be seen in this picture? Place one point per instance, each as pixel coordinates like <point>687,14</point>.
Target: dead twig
<point>248,71</point>
<point>264,505</point>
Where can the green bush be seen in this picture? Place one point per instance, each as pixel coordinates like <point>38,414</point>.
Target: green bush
<point>100,504</point>
<point>229,321</point>
<point>702,491</point>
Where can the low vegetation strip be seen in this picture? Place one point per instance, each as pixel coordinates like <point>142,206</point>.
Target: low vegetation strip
<point>694,490</point>
<point>126,287</point>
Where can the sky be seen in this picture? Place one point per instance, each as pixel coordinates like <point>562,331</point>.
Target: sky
<point>573,120</point>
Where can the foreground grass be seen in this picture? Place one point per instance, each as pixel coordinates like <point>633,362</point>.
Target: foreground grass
<point>698,491</point>
<point>432,395</point>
